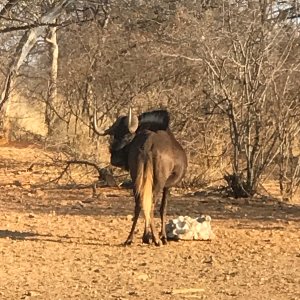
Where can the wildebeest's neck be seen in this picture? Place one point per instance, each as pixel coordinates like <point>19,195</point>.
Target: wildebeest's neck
<point>154,120</point>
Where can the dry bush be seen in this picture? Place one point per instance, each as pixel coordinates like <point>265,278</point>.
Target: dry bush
<point>226,71</point>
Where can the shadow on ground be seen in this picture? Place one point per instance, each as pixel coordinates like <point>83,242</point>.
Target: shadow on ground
<point>65,239</point>
<point>20,235</point>
<point>119,202</point>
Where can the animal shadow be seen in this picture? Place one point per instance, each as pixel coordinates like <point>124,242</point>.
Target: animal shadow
<point>20,235</point>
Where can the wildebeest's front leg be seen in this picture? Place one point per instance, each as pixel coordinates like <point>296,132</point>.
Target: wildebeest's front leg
<point>137,211</point>
<point>164,201</point>
<point>155,238</point>
<point>147,232</point>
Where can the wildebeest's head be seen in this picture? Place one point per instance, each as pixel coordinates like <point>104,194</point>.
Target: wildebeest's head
<point>125,128</point>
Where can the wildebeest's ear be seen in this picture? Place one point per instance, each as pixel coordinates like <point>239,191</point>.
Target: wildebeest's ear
<point>118,144</point>
<point>132,122</point>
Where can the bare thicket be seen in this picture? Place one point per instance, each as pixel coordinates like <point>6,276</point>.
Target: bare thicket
<point>227,70</point>
<point>251,69</point>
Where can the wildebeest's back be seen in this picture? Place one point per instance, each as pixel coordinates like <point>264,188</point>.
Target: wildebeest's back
<point>168,157</point>
<point>170,161</point>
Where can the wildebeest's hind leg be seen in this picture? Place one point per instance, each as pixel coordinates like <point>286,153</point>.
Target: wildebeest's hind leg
<point>155,237</point>
<point>137,210</point>
<point>164,201</point>
<point>147,236</point>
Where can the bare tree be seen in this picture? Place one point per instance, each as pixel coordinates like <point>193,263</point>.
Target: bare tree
<point>25,45</point>
<point>227,71</point>
<point>242,79</point>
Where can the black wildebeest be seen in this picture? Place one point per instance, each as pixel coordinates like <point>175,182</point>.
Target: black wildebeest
<point>146,147</point>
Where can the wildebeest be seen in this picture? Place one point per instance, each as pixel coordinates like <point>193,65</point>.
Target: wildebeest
<point>156,161</point>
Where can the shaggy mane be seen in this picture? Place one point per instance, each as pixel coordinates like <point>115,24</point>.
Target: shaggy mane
<point>154,120</point>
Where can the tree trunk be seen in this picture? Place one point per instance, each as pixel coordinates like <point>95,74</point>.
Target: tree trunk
<point>52,91</point>
<point>25,45</point>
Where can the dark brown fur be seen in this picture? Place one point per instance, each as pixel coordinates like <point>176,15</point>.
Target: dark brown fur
<point>156,162</point>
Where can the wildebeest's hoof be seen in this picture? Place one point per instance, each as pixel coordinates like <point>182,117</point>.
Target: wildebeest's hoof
<point>164,240</point>
<point>158,243</point>
<point>146,238</point>
<point>127,243</point>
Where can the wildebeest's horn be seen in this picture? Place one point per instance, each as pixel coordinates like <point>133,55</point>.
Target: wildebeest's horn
<point>95,126</point>
<point>133,122</point>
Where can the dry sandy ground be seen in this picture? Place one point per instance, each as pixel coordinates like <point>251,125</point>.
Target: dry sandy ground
<point>56,242</point>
